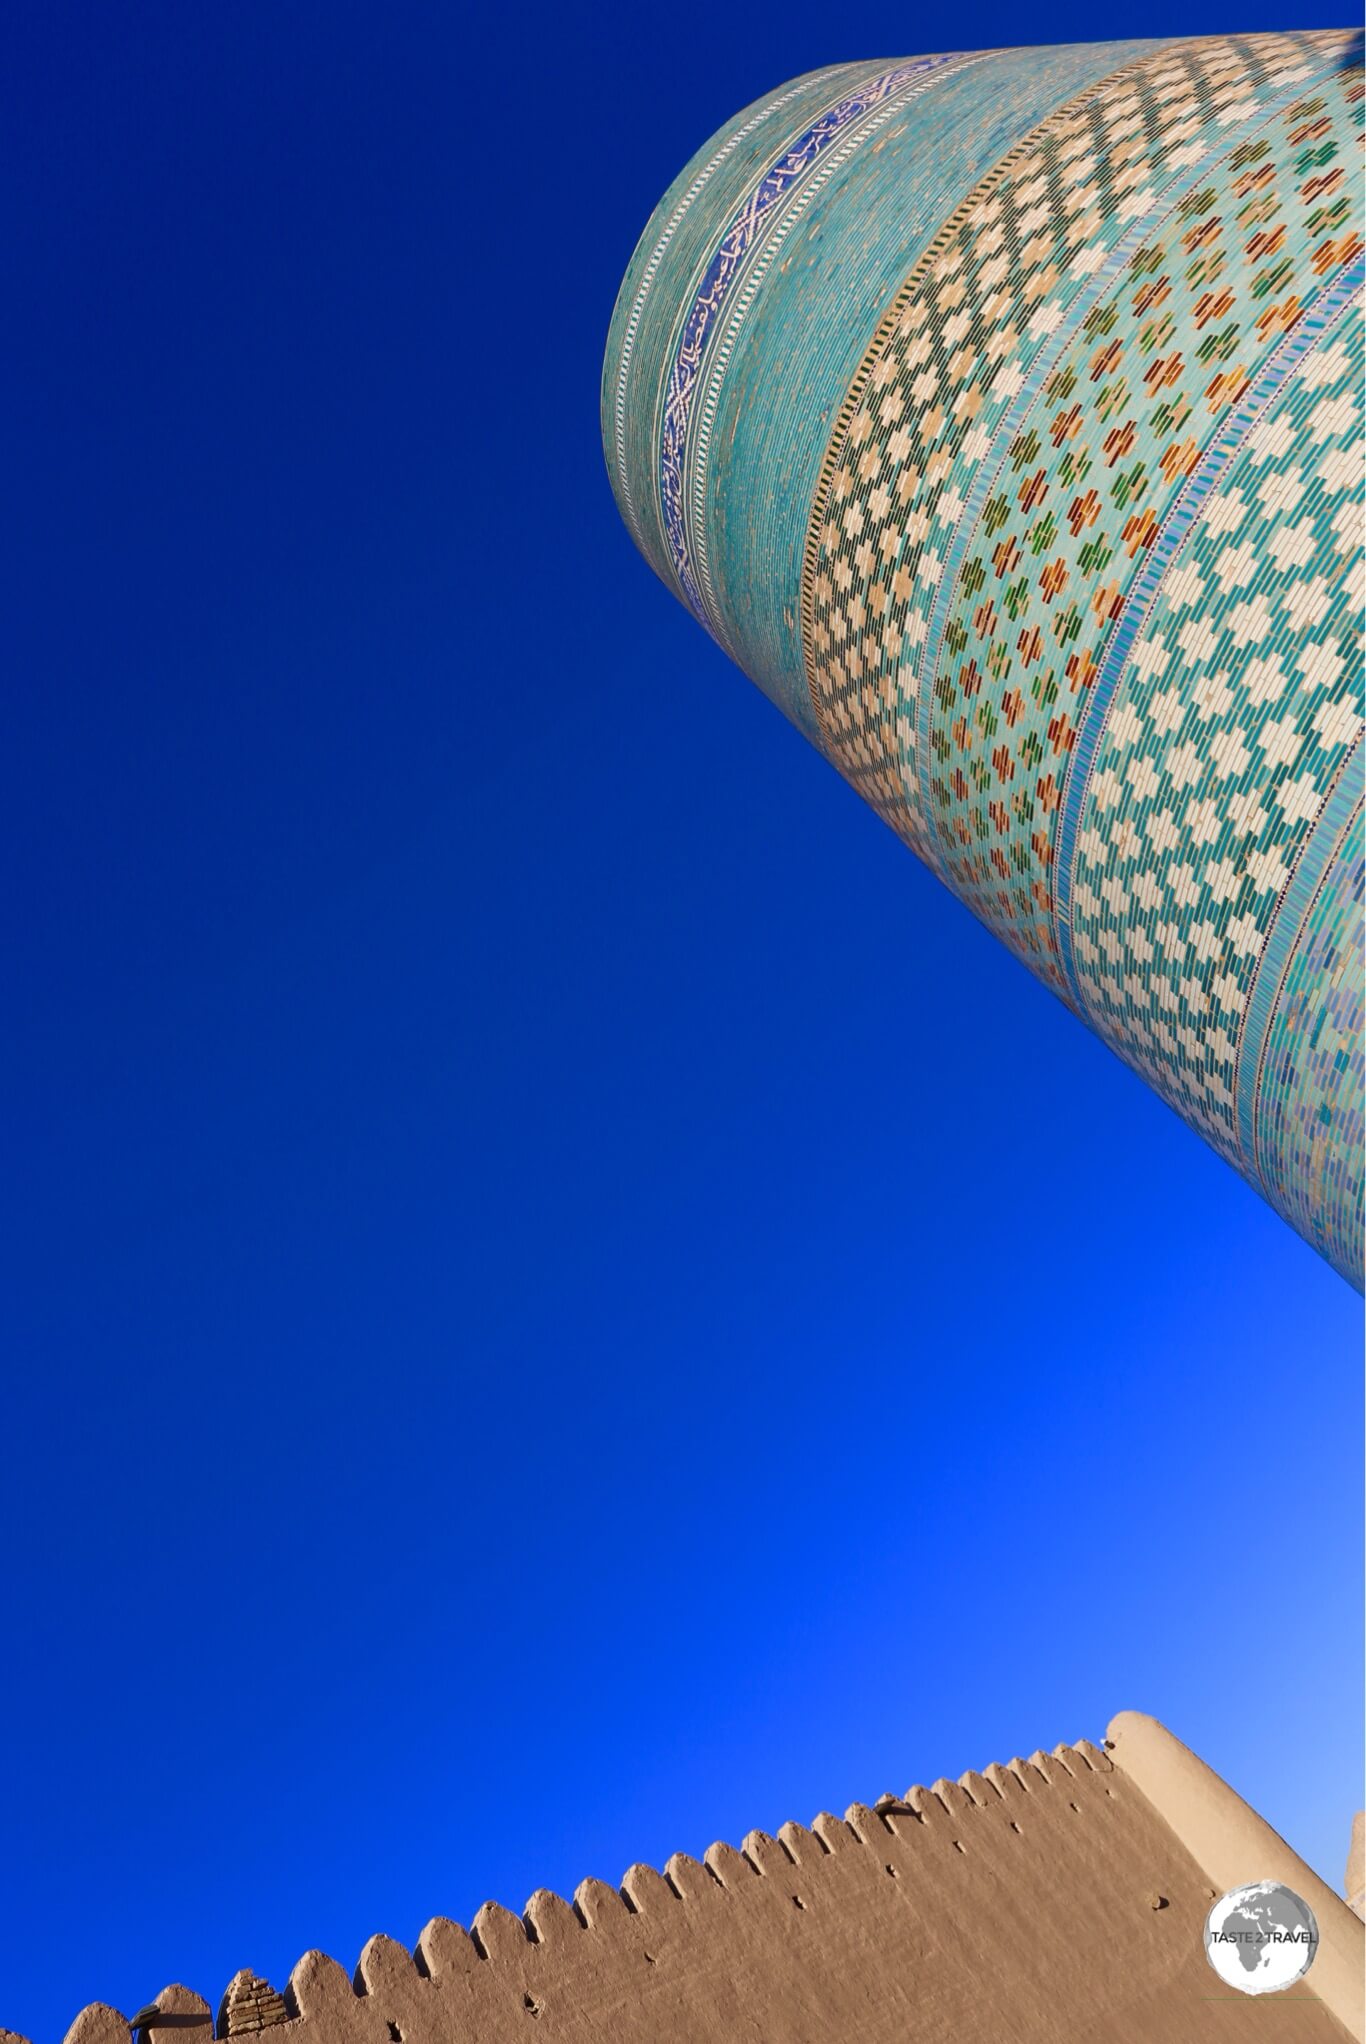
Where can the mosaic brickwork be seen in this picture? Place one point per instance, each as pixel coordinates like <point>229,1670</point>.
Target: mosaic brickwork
<point>1077,602</point>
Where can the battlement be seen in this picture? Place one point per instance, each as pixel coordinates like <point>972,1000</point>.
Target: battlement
<point>1055,1897</point>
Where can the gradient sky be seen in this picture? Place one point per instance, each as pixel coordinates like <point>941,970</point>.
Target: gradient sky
<point>562,1299</point>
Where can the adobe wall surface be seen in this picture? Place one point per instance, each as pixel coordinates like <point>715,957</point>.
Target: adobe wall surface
<point>1044,1900</point>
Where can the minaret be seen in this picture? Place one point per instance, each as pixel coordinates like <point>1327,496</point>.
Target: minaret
<point>1000,414</point>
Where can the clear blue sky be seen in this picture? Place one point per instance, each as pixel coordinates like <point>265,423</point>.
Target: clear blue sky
<point>543,1326</point>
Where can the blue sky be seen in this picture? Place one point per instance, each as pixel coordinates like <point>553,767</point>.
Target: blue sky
<point>563,1299</point>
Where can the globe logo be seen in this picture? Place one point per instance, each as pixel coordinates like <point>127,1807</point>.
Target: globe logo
<point>1262,1938</point>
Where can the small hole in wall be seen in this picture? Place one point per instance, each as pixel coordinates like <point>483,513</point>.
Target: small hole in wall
<point>797,1902</point>
<point>531,2005</point>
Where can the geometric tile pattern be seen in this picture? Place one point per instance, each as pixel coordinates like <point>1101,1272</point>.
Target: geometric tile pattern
<point>1309,1078</point>
<point>1239,715</point>
<point>802,163</point>
<point>1079,603</point>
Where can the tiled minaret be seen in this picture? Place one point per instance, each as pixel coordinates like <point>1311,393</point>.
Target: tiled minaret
<point>1000,414</point>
